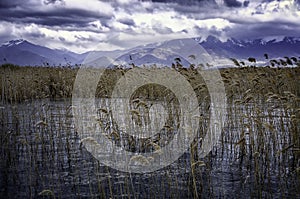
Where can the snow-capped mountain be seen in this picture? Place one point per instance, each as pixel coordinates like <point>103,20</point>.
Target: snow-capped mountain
<point>168,53</point>
<point>13,42</point>
<point>274,46</point>
<point>22,52</point>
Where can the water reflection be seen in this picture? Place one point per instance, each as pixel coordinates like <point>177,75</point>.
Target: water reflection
<point>46,158</point>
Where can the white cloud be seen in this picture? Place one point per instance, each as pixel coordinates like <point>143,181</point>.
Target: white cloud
<point>90,5</point>
<point>127,23</point>
<point>5,29</point>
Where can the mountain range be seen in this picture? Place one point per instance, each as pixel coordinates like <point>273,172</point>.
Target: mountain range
<point>242,49</point>
<point>24,53</point>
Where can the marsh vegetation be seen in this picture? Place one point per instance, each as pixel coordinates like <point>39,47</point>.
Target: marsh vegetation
<point>257,156</point>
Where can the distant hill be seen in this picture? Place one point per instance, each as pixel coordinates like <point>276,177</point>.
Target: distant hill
<point>242,49</point>
<point>24,53</point>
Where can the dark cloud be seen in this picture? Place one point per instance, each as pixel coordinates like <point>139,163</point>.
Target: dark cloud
<point>128,22</point>
<point>246,3</point>
<point>184,2</point>
<point>62,39</point>
<point>47,2</point>
<point>204,32</point>
<point>297,2</point>
<point>233,3</point>
<point>228,3</point>
<point>57,17</point>
<point>4,4</point>
<point>260,30</point>
<point>190,10</point>
<point>37,12</point>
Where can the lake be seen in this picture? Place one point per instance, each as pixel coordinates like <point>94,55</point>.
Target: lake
<point>42,156</point>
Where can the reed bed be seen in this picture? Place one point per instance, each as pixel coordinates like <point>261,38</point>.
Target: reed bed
<point>257,155</point>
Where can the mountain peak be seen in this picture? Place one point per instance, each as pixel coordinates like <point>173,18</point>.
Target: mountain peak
<point>212,39</point>
<point>22,52</point>
<point>14,42</point>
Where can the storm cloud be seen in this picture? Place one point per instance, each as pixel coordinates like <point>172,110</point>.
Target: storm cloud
<point>116,24</point>
<point>233,3</point>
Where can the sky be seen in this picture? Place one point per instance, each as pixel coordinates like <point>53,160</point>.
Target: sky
<point>85,25</point>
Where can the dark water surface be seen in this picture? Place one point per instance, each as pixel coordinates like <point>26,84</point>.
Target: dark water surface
<point>42,157</point>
